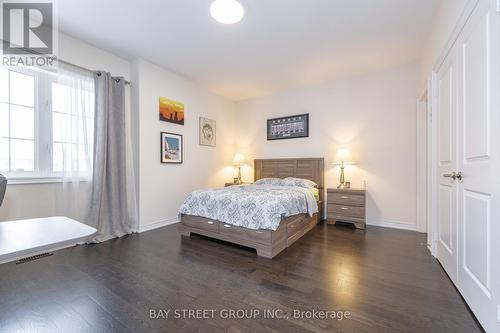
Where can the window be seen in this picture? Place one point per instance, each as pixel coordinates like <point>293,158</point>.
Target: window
<point>17,121</point>
<point>46,124</point>
<point>72,127</point>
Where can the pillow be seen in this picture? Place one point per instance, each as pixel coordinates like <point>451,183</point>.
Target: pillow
<point>299,182</point>
<point>269,181</point>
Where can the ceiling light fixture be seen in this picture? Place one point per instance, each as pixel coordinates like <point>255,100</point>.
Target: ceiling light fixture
<point>227,11</point>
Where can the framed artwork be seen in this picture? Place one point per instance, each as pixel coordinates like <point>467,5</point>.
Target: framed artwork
<point>290,127</point>
<point>171,148</point>
<point>171,111</point>
<point>207,132</point>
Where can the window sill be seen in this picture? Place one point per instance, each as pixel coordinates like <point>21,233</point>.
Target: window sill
<point>37,180</point>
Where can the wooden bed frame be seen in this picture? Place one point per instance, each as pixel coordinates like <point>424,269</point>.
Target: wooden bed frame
<point>268,243</point>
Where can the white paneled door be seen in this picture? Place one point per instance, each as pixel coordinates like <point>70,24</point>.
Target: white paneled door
<point>479,162</point>
<point>447,165</point>
<point>468,163</point>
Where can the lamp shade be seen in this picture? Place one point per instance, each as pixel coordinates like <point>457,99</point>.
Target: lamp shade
<point>343,156</point>
<point>239,159</point>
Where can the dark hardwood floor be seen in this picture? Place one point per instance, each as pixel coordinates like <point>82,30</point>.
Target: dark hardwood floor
<point>385,278</point>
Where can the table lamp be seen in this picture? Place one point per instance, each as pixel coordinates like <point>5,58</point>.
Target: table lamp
<point>238,161</point>
<point>343,157</point>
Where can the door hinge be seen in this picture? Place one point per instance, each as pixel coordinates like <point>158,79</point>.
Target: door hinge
<point>498,313</point>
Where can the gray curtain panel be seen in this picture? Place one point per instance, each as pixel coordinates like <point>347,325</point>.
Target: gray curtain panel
<point>109,212</point>
<point>3,188</point>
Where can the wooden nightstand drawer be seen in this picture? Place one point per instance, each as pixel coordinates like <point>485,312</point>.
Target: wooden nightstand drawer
<point>348,211</point>
<point>346,199</point>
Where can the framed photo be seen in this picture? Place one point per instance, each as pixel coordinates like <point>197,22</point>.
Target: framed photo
<point>171,111</point>
<point>171,148</point>
<point>290,127</point>
<point>207,132</point>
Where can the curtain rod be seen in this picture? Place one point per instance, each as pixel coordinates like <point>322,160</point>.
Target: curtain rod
<point>84,68</point>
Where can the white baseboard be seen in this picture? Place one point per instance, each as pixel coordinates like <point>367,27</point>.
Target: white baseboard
<point>383,223</point>
<point>157,224</point>
<point>393,224</point>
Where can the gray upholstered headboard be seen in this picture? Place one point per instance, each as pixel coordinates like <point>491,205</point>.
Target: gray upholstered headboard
<point>306,168</point>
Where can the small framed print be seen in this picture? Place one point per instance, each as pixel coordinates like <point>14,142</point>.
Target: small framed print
<point>171,148</point>
<point>290,127</point>
<point>208,132</point>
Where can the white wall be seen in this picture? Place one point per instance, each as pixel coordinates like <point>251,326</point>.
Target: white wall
<point>40,200</point>
<point>163,187</point>
<point>374,116</point>
<point>443,24</point>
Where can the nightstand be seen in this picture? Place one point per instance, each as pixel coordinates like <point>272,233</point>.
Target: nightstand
<point>346,205</point>
<point>231,184</point>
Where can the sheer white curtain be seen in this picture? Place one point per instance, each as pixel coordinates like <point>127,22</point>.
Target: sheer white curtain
<point>73,111</point>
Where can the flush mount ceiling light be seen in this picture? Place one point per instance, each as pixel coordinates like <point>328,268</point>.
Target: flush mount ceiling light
<point>227,11</point>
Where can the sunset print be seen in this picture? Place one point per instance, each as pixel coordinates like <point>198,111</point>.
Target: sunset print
<point>171,111</point>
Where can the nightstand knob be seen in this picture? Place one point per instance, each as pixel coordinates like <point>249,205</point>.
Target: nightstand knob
<point>210,222</point>
<point>344,197</point>
<point>344,208</point>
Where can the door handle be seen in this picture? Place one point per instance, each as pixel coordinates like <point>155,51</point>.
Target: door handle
<point>452,175</point>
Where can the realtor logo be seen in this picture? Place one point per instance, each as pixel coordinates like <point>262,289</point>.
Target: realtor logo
<point>27,28</point>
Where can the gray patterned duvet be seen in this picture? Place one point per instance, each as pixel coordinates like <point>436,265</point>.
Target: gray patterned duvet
<point>250,206</point>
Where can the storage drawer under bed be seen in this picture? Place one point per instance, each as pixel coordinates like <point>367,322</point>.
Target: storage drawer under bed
<point>289,231</point>
<point>201,223</point>
<point>257,236</point>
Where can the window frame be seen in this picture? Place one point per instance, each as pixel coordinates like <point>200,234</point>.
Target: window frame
<point>43,133</point>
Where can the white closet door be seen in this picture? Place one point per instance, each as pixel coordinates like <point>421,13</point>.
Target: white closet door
<point>447,164</point>
<point>479,162</point>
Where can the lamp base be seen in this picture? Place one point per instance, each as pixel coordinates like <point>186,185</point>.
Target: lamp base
<point>342,177</point>
<point>239,175</point>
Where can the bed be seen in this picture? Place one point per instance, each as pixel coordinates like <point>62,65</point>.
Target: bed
<point>267,242</point>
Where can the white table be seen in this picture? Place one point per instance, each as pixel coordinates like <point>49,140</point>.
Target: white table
<point>24,238</point>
